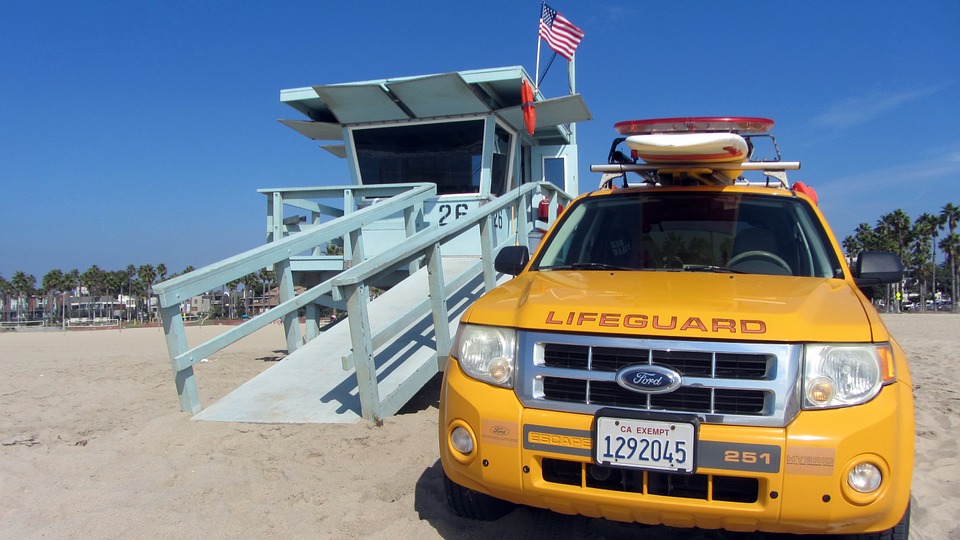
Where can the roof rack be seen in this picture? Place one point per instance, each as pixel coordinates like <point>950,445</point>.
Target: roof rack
<point>699,173</point>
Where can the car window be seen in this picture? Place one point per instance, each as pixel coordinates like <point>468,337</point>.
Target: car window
<point>709,231</point>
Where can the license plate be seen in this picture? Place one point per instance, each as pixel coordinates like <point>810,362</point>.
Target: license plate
<point>645,444</point>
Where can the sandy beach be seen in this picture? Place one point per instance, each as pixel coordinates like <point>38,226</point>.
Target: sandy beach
<point>94,446</point>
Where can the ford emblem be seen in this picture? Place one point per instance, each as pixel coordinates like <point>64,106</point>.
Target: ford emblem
<point>649,379</point>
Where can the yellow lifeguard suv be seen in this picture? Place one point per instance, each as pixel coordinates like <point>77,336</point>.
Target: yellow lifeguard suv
<point>685,347</point>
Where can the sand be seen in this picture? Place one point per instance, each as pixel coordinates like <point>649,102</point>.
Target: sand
<point>94,446</point>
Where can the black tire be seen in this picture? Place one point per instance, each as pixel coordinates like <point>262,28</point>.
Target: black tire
<point>900,531</point>
<point>473,504</point>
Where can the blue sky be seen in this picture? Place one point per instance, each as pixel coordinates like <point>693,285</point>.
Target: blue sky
<point>135,133</point>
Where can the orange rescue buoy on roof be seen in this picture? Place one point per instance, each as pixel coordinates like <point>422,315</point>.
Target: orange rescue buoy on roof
<point>526,103</point>
<point>800,187</point>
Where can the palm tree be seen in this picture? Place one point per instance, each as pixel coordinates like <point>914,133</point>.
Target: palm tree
<point>851,245</point>
<point>917,266</point>
<point>951,217</point>
<point>115,279</point>
<point>928,226</point>
<point>94,279</point>
<point>71,281</point>
<point>863,239</point>
<point>232,290</point>
<point>130,273</point>
<point>52,284</point>
<point>950,245</point>
<point>267,278</point>
<point>137,292</point>
<point>6,289</point>
<point>73,278</point>
<point>23,285</point>
<point>894,230</point>
<point>893,234</point>
<point>148,275</point>
<point>250,282</point>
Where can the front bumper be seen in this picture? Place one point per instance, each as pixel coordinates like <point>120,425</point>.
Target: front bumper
<point>544,459</point>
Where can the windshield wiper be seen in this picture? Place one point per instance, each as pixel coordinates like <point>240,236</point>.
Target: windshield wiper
<point>710,268</point>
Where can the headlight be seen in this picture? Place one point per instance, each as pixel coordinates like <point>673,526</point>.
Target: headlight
<point>840,375</point>
<point>865,478</point>
<point>486,353</point>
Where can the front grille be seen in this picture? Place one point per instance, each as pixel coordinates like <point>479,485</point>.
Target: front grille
<point>610,394</point>
<point>744,366</point>
<point>689,363</point>
<point>722,382</point>
<point>688,486</point>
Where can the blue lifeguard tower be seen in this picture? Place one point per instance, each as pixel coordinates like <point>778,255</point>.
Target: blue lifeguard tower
<point>443,172</point>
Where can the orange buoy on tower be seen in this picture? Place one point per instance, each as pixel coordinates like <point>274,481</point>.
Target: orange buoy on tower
<point>526,103</point>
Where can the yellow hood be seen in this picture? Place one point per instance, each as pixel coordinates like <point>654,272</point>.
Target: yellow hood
<point>691,305</point>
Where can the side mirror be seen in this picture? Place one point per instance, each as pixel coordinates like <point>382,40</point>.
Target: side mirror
<point>877,268</point>
<point>511,260</point>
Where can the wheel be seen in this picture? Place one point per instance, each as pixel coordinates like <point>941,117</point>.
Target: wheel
<point>900,531</point>
<point>761,262</point>
<point>473,504</point>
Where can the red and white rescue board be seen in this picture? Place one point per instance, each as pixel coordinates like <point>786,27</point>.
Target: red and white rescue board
<point>695,124</point>
<point>688,147</point>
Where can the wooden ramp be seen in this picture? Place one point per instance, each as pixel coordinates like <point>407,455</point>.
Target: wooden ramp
<point>311,385</point>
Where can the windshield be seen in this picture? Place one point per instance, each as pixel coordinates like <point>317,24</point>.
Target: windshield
<point>709,231</point>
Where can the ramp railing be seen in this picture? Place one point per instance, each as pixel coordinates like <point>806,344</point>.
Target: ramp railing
<point>403,198</point>
<point>351,285</point>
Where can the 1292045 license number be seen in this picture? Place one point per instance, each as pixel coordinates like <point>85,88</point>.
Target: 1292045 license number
<point>645,444</point>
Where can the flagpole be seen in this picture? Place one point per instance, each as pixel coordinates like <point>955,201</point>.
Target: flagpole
<point>536,75</point>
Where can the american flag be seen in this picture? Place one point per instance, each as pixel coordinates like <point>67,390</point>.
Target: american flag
<point>559,33</point>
